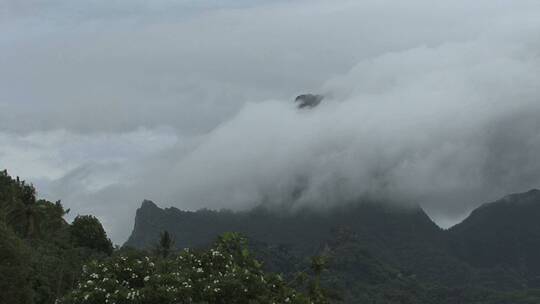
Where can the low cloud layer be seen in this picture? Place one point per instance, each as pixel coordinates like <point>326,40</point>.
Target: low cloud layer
<point>430,104</point>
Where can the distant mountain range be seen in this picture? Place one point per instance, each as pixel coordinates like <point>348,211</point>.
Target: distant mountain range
<point>379,249</point>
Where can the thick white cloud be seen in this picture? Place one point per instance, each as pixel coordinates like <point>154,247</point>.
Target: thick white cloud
<point>456,121</point>
<point>189,103</point>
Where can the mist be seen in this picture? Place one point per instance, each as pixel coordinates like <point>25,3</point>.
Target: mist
<point>192,105</point>
<point>403,126</point>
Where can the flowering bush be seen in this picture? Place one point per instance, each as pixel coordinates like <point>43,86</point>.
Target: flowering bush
<point>226,273</point>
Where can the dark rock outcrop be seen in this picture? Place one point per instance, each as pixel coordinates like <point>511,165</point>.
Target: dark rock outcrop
<point>308,100</point>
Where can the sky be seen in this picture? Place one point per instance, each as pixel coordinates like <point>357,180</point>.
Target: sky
<point>190,103</point>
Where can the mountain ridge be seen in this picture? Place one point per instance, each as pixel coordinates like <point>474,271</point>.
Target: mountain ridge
<point>377,246</point>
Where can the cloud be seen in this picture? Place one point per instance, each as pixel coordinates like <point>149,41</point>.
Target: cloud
<point>427,124</point>
<point>78,167</point>
<point>85,66</point>
<point>190,103</point>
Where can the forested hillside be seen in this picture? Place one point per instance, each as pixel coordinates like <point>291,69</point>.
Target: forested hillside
<point>41,255</point>
<point>504,235</point>
<point>45,260</point>
<point>378,252</point>
<point>361,252</point>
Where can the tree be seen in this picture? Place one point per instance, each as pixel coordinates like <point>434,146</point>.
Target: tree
<point>87,231</point>
<point>225,273</point>
<point>15,287</point>
<point>18,200</point>
<point>165,245</point>
<point>38,261</point>
<point>51,219</point>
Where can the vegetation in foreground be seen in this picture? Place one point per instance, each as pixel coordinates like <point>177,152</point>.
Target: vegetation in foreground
<point>225,273</point>
<point>45,260</point>
<point>41,255</point>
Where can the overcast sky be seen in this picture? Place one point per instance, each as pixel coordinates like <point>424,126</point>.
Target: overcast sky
<point>189,103</point>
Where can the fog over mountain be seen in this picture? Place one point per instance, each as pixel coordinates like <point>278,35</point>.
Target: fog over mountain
<point>191,103</point>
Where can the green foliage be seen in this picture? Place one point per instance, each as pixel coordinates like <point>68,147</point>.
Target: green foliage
<point>165,245</point>
<point>50,218</point>
<point>18,204</point>
<point>39,262</point>
<point>15,271</point>
<point>225,273</point>
<point>503,235</point>
<point>373,256</point>
<point>87,231</point>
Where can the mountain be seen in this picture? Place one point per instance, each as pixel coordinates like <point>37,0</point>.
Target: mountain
<point>504,234</point>
<point>378,250</point>
<point>308,100</point>
<point>403,237</point>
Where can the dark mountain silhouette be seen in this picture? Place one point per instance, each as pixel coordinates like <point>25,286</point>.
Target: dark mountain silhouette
<point>377,248</point>
<point>403,236</point>
<point>503,234</point>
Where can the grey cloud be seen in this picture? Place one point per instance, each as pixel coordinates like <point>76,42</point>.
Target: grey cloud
<point>193,73</point>
<point>432,125</point>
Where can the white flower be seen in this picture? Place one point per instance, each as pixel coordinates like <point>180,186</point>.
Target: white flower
<point>146,278</point>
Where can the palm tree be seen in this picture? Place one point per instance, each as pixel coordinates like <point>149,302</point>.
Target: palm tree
<point>21,209</point>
